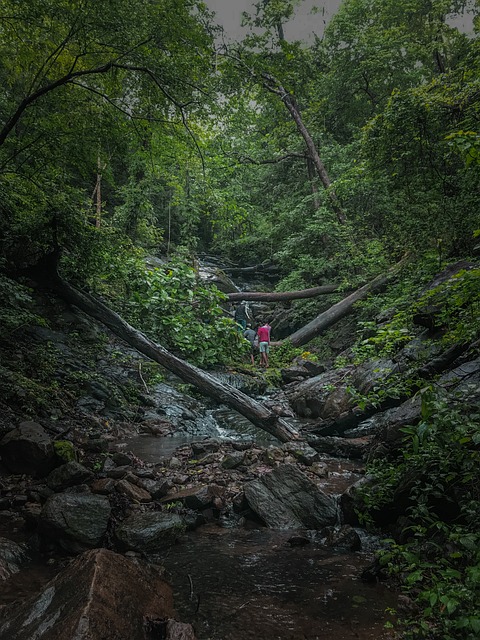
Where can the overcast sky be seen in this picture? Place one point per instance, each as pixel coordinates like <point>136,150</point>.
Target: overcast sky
<point>229,15</point>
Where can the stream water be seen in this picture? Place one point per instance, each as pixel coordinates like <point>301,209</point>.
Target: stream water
<point>250,582</point>
<point>236,584</point>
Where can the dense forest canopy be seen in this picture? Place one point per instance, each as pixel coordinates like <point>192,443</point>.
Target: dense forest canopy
<point>132,128</point>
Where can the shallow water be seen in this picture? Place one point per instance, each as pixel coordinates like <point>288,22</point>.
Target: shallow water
<point>237,584</point>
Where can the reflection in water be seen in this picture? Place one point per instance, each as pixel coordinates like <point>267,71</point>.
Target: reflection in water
<point>239,584</point>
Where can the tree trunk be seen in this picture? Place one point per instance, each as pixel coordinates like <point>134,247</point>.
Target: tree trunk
<point>294,111</point>
<point>259,415</point>
<point>257,268</point>
<point>313,186</point>
<point>283,295</point>
<point>335,313</point>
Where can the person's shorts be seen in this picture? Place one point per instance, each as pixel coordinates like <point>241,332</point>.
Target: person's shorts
<point>263,346</point>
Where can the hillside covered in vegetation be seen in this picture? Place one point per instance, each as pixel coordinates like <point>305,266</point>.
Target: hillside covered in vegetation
<point>138,145</point>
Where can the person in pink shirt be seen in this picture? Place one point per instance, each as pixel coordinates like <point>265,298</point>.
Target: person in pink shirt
<point>263,334</point>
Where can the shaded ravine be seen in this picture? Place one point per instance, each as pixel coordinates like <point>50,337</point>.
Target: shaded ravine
<point>240,582</point>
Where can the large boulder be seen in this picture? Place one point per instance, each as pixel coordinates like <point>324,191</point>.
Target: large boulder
<point>324,396</point>
<point>149,532</point>
<point>287,499</point>
<point>28,449</point>
<point>369,374</point>
<point>77,521</point>
<point>100,596</point>
<point>68,475</point>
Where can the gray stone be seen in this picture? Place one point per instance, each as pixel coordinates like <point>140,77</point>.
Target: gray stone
<point>28,449</point>
<point>149,532</point>
<point>233,460</point>
<point>368,375</point>
<point>132,492</point>
<point>302,451</point>
<point>76,521</point>
<point>310,399</point>
<point>67,475</point>
<point>287,499</point>
<point>156,488</point>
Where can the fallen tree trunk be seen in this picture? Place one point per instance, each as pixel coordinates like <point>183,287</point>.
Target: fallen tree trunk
<point>257,268</point>
<point>259,415</point>
<point>283,295</point>
<point>341,309</point>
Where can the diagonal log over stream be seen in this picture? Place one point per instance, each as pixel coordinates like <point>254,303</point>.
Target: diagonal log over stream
<point>254,411</point>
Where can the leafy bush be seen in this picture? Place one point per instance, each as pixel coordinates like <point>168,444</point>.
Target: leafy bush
<point>173,307</point>
<point>439,564</point>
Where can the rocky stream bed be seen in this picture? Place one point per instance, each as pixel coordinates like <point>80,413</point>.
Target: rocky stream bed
<point>131,508</point>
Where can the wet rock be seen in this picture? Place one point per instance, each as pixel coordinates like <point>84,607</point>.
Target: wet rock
<point>78,488</point>
<point>96,445</point>
<point>355,448</point>
<point>68,475</point>
<point>28,449</point>
<point>374,572</point>
<point>368,375</point>
<point>293,374</point>
<point>207,446</point>
<point>350,501</point>
<point>149,532</point>
<point>214,275</point>
<point>108,465</point>
<point>309,398</point>
<point>273,455</point>
<point>175,463</point>
<point>233,460</point>
<point>156,488</point>
<point>179,631</point>
<point>121,459</point>
<point>389,424</point>
<point>287,499</point>
<point>320,469</point>
<point>343,538</point>
<point>100,596</point>
<point>118,472</point>
<point>210,458</point>
<point>198,497</point>
<point>12,556</point>
<point>132,492</point>
<point>104,486</point>
<point>302,368</point>
<point>302,452</point>
<point>75,521</point>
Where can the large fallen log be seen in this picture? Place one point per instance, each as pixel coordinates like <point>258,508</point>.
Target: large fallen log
<point>259,415</point>
<point>265,268</point>
<point>278,296</point>
<point>341,309</point>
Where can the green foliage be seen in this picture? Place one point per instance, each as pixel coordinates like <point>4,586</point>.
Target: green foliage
<point>65,450</point>
<point>173,307</point>
<point>456,307</point>
<point>16,307</point>
<point>458,304</point>
<point>439,565</point>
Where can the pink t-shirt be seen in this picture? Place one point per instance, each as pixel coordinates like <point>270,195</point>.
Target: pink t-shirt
<point>263,334</point>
